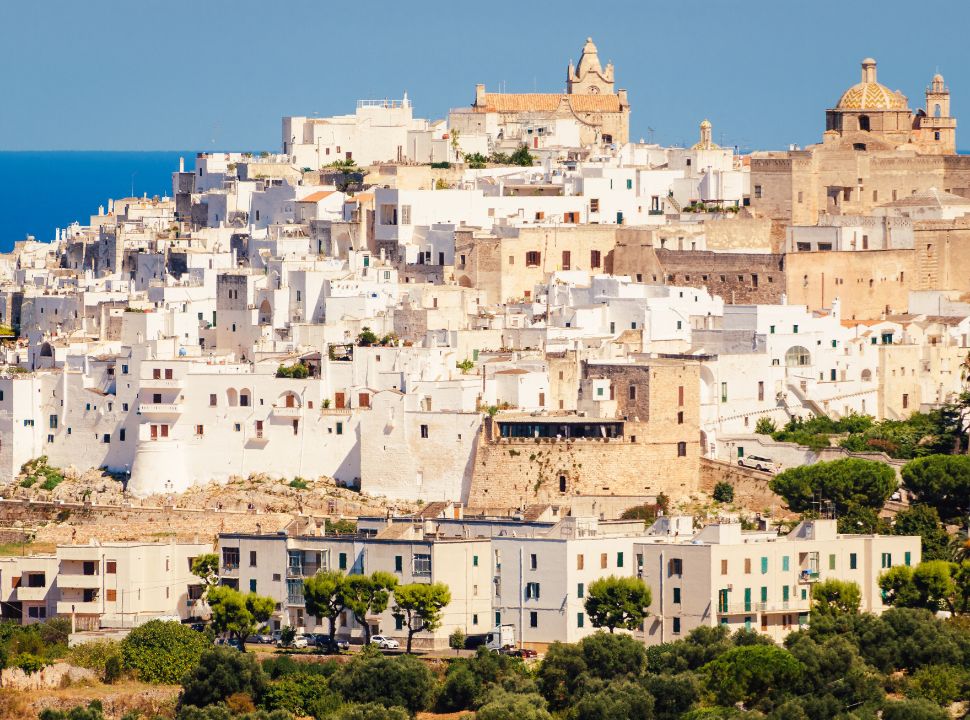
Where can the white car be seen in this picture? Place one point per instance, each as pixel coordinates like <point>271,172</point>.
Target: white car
<point>385,643</point>
<point>757,462</point>
<point>299,642</point>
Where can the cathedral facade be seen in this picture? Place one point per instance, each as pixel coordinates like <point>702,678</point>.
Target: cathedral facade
<point>600,112</point>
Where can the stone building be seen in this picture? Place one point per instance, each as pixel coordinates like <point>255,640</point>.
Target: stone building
<point>874,150</point>
<point>591,101</point>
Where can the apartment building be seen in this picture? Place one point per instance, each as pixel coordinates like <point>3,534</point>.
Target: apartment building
<point>28,588</point>
<point>277,565</point>
<point>757,580</point>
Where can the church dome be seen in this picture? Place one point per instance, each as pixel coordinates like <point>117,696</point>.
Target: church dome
<point>869,94</point>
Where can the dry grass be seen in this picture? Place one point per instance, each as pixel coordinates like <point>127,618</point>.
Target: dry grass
<point>31,548</point>
<point>117,700</point>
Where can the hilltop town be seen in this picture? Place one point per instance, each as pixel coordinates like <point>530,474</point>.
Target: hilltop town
<point>512,352</point>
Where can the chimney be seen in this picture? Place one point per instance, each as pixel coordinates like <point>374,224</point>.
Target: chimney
<point>480,95</point>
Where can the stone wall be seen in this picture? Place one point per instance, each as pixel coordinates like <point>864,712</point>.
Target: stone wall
<point>522,472</point>
<point>739,278</point>
<point>751,489</point>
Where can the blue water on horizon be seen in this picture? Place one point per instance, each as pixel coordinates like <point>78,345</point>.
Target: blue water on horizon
<point>44,190</point>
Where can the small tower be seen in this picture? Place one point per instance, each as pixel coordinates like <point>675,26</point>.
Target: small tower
<point>588,77</point>
<point>935,131</point>
<point>937,98</point>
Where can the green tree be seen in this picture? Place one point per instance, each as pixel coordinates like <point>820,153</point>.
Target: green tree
<point>220,673</point>
<point>456,641</point>
<point>860,520</point>
<point>620,700</point>
<point>522,157</point>
<point>943,684</point>
<point>370,711</point>
<point>403,680</point>
<point>836,596</point>
<point>206,568</point>
<point>367,595</point>
<point>613,602</point>
<point>923,520</point>
<point>236,614</point>
<point>846,483</point>
<point>751,674</point>
<point>765,426</point>
<point>508,706</point>
<point>419,607</point>
<point>324,597</point>
<point>723,492</point>
<point>162,652</point>
<point>609,657</point>
<point>942,482</point>
<point>930,585</point>
<point>913,710</point>
<point>93,711</point>
<point>674,695</point>
<point>561,675</point>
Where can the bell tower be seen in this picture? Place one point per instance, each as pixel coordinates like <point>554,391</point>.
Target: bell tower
<point>935,130</point>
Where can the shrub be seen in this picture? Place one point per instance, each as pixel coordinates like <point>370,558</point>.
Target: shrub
<point>299,483</point>
<point>404,681</point>
<point>93,711</point>
<point>371,711</point>
<point>162,652</point>
<point>298,371</point>
<point>220,673</point>
<point>723,492</point>
<point>765,426</point>
<point>28,663</point>
<point>96,656</point>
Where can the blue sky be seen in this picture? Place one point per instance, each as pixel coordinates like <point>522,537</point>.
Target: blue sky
<point>219,74</point>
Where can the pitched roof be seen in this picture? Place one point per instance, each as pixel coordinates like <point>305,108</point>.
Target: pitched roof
<point>317,196</point>
<point>549,102</point>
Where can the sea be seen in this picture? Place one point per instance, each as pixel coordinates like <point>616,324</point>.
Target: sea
<point>44,190</point>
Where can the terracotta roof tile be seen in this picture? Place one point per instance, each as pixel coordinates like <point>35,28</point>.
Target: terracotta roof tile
<point>549,102</point>
<point>317,196</point>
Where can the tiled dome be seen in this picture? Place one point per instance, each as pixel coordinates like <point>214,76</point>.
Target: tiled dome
<point>869,94</point>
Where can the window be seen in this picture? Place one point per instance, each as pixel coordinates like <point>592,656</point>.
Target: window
<point>831,561</point>
<point>580,561</point>
<point>252,585</point>
<point>905,400</point>
<point>398,622</point>
<point>230,558</point>
<point>603,560</point>
<point>757,191</point>
<point>764,566</point>
<point>340,428</point>
<point>566,260</point>
<point>474,560</point>
<point>252,558</point>
<point>675,566</point>
<point>676,626</point>
<point>580,591</point>
<point>533,619</point>
<point>111,567</point>
<point>633,392</point>
<point>887,560</point>
<point>532,258</point>
<point>677,596</point>
<point>594,259</point>
<point>388,214</point>
<point>580,619</point>
<point>682,449</point>
<point>761,390</point>
<point>52,421</point>
<point>405,214</point>
<point>342,561</point>
<point>212,400</point>
<point>680,417</point>
<point>747,566</point>
<point>594,205</point>
<point>532,591</point>
<point>398,563</point>
<point>907,558</point>
<point>853,561</point>
<point>619,559</point>
<point>533,561</point>
<point>422,565</point>
<point>200,430</point>
<point>424,432</point>
<point>724,392</point>
<point>724,567</point>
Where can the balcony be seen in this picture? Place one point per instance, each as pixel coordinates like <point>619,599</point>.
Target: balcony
<point>781,606</point>
<point>79,607</point>
<point>160,409</point>
<point>808,576</point>
<point>230,568</point>
<point>77,580</point>
<point>31,594</point>
<point>287,412</point>
<point>294,571</point>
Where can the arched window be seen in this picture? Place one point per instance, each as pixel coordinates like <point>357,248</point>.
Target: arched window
<point>866,375</point>
<point>265,313</point>
<point>937,110</point>
<point>232,397</point>
<point>797,356</point>
<point>244,398</point>
<point>864,123</point>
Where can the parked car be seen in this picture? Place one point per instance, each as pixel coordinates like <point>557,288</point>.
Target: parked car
<point>260,639</point>
<point>198,626</point>
<point>229,642</point>
<point>524,653</point>
<point>323,645</point>
<point>299,642</point>
<point>385,643</point>
<point>757,462</point>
